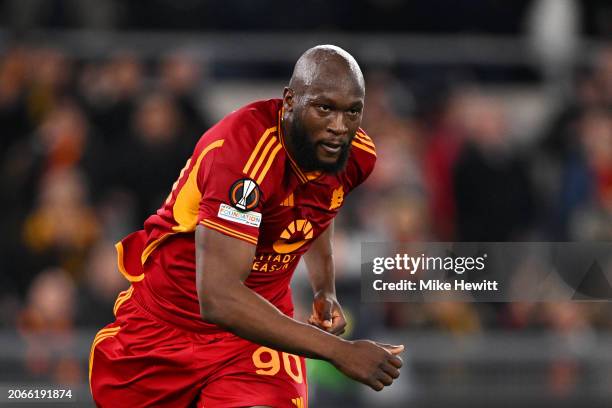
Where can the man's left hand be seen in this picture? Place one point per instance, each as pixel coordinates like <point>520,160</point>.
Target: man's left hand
<point>327,314</point>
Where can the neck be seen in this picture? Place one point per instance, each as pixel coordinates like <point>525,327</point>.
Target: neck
<point>286,123</point>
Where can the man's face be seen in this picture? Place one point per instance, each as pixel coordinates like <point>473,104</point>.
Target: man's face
<point>324,124</point>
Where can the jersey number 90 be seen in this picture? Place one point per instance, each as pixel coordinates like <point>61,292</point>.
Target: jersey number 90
<point>268,362</point>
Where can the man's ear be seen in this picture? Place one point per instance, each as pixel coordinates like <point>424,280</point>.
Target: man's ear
<point>288,100</point>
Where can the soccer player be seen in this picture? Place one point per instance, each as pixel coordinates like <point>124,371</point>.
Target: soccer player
<point>208,317</point>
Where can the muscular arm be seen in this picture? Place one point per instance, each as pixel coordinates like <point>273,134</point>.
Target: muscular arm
<point>222,265</point>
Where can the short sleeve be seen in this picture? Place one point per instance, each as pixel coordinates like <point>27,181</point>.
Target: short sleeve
<point>362,160</point>
<point>231,180</point>
<point>231,202</point>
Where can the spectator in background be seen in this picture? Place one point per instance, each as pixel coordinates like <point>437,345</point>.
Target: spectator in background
<point>15,124</point>
<point>564,155</point>
<point>50,75</point>
<point>47,175</point>
<point>154,151</point>
<point>98,290</point>
<point>46,325</point>
<point>603,75</point>
<point>399,140</point>
<point>443,145</point>
<point>110,91</point>
<point>490,180</point>
<point>180,76</point>
<point>62,227</point>
<point>33,88</point>
<point>14,120</point>
<point>593,88</point>
<point>50,303</point>
<point>62,140</point>
<point>410,220</point>
<point>389,114</point>
<point>585,205</point>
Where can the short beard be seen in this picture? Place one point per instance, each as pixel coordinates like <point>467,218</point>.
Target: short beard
<point>305,152</point>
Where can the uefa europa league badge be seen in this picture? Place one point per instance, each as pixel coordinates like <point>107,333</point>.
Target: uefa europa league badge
<point>244,194</point>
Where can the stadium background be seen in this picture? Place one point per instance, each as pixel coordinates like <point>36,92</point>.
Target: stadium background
<point>492,121</point>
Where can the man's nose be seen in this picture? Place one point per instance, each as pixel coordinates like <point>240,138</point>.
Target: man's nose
<point>337,124</point>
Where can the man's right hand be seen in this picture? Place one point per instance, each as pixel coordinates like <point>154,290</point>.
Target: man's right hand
<point>373,364</point>
<point>222,265</point>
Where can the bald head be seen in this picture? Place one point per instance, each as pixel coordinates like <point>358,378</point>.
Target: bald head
<point>324,66</point>
<point>322,108</point>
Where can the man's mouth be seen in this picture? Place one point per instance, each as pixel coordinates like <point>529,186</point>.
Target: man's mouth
<point>332,148</point>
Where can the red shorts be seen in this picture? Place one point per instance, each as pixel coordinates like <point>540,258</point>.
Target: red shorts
<point>139,361</point>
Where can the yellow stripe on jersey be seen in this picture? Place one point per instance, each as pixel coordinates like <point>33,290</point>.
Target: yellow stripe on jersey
<point>100,336</point>
<point>121,266</point>
<point>363,134</point>
<point>365,139</point>
<point>228,231</point>
<point>298,402</point>
<point>123,296</point>
<point>262,157</point>
<point>151,247</point>
<point>268,164</point>
<point>363,147</point>
<point>255,152</point>
<point>186,205</point>
<point>105,331</point>
<point>176,183</point>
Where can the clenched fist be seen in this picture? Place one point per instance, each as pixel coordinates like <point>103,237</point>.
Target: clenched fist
<point>373,364</point>
<point>327,314</point>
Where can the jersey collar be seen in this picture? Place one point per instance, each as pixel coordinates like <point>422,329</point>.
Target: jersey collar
<point>303,177</point>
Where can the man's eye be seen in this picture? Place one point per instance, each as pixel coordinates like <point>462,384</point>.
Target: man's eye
<point>354,112</point>
<point>324,108</point>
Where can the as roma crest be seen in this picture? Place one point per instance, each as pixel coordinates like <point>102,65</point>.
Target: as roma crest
<point>337,198</point>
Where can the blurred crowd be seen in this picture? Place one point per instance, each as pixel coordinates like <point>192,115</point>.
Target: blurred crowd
<point>90,148</point>
<point>456,171</point>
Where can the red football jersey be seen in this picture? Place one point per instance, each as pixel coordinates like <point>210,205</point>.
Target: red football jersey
<point>241,182</point>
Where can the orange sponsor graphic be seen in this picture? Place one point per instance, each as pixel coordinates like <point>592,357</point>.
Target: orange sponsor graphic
<point>288,202</point>
<point>293,237</point>
<point>272,263</point>
<point>337,198</point>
